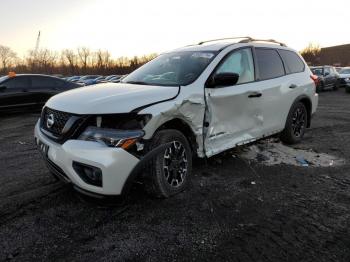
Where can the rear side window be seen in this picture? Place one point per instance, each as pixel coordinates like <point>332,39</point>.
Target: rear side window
<point>269,63</point>
<point>46,82</point>
<point>292,62</point>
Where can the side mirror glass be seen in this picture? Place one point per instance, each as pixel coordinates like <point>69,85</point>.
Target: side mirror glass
<point>223,79</point>
<point>326,73</point>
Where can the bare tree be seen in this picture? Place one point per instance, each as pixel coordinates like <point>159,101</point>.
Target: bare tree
<point>7,57</point>
<point>103,60</point>
<point>84,54</point>
<point>71,57</point>
<point>311,53</point>
<point>71,62</point>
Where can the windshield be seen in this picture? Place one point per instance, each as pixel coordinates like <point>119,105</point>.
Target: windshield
<point>345,71</point>
<point>172,69</point>
<point>317,71</point>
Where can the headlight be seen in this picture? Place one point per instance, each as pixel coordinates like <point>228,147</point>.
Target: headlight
<point>347,79</point>
<point>112,137</point>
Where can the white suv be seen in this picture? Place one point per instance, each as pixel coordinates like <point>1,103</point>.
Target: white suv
<point>199,100</point>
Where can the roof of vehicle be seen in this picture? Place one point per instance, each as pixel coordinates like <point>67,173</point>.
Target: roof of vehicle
<point>314,67</point>
<point>220,44</point>
<point>17,75</point>
<point>37,75</point>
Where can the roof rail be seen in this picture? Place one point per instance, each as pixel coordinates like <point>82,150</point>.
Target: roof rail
<point>249,39</point>
<point>227,38</point>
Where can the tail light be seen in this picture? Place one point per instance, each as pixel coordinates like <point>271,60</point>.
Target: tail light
<point>315,79</point>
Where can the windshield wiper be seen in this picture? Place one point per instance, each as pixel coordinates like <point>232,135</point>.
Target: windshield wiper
<point>137,83</point>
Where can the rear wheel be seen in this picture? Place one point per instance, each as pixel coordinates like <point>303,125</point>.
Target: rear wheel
<point>169,173</point>
<point>296,124</point>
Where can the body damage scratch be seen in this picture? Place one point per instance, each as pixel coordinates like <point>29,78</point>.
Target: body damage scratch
<point>190,110</point>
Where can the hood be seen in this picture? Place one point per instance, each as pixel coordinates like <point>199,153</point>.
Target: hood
<point>110,98</point>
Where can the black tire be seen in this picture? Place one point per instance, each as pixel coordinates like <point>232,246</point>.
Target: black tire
<point>320,87</point>
<point>164,178</point>
<point>296,124</point>
<point>336,86</point>
<point>347,89</point>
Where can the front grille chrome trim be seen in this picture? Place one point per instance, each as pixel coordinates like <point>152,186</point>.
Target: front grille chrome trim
<point>64,124</point>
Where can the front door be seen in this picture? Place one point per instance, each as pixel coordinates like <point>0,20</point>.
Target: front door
<point>234,113</point>
<point>14,93</point>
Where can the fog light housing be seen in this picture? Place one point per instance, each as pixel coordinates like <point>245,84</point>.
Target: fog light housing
<point>89,174</point>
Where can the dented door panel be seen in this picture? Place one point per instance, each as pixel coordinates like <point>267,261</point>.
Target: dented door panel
<point>234,116</point>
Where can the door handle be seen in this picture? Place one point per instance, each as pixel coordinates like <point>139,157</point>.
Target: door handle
<point>292,86</point>
<point>255,94</point>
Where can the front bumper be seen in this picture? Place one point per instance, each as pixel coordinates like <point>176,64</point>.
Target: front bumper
<point>344,83</point>
<point>116,163</point>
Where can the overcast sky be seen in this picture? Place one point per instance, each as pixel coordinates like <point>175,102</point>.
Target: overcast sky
<point>131,27</point>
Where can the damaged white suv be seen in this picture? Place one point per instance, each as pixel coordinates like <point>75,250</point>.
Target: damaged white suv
<point>199,100</point>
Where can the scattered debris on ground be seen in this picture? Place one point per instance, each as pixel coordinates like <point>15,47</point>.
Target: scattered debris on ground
<point>271,152</point>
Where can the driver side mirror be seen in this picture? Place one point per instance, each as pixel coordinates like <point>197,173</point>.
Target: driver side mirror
<point>326,73</point>
<point>2,88</point>
<point>223,79</point>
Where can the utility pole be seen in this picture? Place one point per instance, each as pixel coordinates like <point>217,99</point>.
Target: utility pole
<point>37,46</point>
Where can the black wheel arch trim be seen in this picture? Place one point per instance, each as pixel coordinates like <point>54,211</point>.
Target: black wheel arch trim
<point>300,98</point>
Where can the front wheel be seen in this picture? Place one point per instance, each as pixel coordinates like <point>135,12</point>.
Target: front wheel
<point>347,89</point>
<point>169,172</point>
<point>295,125</point>
<point>336,86</point>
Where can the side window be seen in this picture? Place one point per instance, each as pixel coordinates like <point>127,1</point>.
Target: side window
<point>17,82</point>
<point>269,63</point>
<point>292,62</point>
<point>42,82</point>
<point>241,63</point>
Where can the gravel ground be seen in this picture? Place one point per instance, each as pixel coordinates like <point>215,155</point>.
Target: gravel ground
<point>235,209</point>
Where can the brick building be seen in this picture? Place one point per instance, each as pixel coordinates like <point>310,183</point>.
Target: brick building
<point>335,55</point>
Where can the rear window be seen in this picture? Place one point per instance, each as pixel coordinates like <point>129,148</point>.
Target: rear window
<point>269,63</point>
<point>46,82</point>
<point>292,62</point>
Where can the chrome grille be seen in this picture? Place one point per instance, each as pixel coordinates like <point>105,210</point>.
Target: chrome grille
<point>60,120</point>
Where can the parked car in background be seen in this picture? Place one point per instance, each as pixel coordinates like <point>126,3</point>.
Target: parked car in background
<point>73,78</point>
<point>88,80</point>
<point>199,100</point>
<point>115,79</point>
<point>338,68</point>
<point>344,76</point>
<point>107,78</point>
<point>328,77</point>
<point>29,90</point>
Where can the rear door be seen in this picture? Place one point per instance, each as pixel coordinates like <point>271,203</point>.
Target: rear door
<point>43,87</point>
<point>275,91</point>
<point>15,93</point>
<point>234,114</point>
<point>328,78</point>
